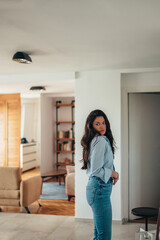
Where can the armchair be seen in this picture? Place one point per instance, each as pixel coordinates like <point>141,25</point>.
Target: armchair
<point>70,182</point>
<point>16,192</point>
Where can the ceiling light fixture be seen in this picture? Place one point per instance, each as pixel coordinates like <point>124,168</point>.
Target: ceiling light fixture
<point>22,57</point>
<point>40,88</point>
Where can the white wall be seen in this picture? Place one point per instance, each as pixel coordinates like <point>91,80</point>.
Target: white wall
<point>141,82</point>
<point>47,139</point>
<point>97,90</point>
<point>103,89</point>
<point>30,122</point>
<point>29,116</point>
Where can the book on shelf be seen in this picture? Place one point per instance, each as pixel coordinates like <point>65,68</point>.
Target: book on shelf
<point>65,134</point>
<point>64,146</point>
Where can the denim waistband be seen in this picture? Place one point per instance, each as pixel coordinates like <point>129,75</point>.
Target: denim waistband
<point>99,179</point>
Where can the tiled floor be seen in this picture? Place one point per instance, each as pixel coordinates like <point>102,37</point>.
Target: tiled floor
<point>19,226</point>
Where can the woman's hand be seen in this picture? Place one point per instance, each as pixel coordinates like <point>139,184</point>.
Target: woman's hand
<point>115,180</point>
<point>115,176</point>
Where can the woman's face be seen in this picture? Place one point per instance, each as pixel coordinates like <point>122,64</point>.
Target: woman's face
<point>99,125</point>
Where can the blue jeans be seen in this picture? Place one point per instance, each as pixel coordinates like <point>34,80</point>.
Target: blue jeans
<point>98,197</point>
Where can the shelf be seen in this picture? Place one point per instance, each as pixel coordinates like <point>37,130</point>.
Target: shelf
<point>66,122</point>
<point>65,105</point>
<point>65,139</point>
<point>64,164</point>
<point>65,151</point>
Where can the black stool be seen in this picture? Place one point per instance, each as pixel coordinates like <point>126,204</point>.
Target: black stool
<point>145,212</point>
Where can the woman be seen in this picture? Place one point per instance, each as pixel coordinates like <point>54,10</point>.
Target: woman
<point>98,153</point>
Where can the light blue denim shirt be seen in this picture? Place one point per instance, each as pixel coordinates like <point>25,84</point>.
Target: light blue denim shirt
<point>101,158</point>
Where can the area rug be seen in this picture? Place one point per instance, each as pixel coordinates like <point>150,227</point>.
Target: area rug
<point>52,190</point>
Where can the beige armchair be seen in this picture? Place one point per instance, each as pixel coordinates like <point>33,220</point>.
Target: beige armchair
<point>16,192</point>
<point>70,182</point>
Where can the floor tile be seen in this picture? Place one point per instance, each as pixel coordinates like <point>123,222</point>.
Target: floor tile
<point>19,226</point>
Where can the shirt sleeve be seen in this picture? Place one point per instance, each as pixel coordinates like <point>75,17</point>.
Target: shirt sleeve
<point>97,160</point>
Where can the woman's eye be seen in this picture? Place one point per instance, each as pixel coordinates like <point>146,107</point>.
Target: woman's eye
<point>97,124</point>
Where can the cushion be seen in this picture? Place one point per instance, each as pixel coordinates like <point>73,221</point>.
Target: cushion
<point>10,178</point>
<point>9,202</point>
<point>13,194</point>
<point>70,169</point>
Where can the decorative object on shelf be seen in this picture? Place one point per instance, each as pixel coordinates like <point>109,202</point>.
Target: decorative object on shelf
<point>71,133</point>
<point>66,160</point>
<point>22,57</point>
<point>64,134</point>
<point>65,139</point>
<point>24,140</point>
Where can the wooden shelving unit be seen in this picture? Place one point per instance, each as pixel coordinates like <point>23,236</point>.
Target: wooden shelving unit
<point>65,122</point>
<point>66,139</point>
<point>62,140</point>
<point>65,164</point>
<point>65,105</point>
<point>65,151</point>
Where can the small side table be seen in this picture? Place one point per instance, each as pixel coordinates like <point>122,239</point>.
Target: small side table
<point>145,212</point>
<point>55,173</point>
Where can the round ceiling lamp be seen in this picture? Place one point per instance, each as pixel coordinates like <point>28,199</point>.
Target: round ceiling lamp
<point>39,88</point>
<point>22,57</point>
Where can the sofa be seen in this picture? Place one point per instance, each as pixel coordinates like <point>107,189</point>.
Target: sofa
<point>70,182</point>
<point>17,192</point>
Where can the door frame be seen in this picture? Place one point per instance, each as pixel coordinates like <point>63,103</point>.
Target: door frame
<point>127,88</point>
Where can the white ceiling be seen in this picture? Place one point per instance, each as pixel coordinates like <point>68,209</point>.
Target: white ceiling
<point>77,35</point>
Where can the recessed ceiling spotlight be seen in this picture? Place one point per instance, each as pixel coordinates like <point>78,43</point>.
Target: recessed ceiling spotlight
<point>39,88</point>
<point>22,57</point>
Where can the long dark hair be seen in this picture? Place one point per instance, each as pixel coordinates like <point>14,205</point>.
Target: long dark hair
<point>90,132</point>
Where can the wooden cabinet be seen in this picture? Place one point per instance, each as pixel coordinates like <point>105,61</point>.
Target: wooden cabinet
<point>10,122</point>
<point>65,140</point>
<point>28,156</point>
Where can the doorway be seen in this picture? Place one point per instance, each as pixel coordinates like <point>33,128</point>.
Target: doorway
<point>143,150</point>
<point>57,149</point>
